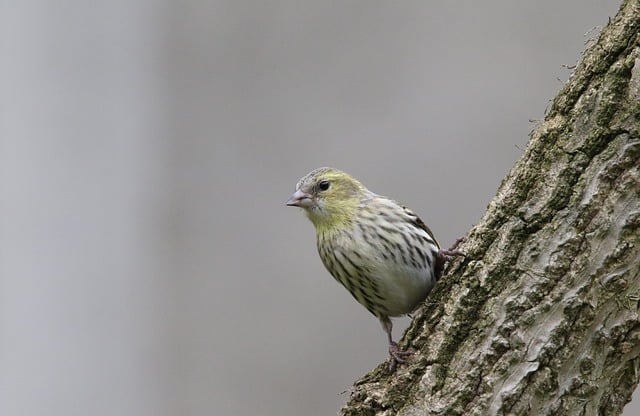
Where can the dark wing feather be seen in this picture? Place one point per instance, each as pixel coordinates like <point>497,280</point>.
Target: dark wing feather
<point>417,222</point>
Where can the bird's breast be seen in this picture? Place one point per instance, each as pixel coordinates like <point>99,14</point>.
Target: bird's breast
<point>388,273</point>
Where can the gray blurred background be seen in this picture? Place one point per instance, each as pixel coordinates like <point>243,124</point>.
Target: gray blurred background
<point>148,265</point>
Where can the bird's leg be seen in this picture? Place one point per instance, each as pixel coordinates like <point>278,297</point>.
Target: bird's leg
<point>445,255</point>
<point>395,353</point>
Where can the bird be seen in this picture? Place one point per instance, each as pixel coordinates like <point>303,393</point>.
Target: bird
<point>378,249</point>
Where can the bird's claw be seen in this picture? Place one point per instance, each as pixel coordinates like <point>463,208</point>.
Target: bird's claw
<point>451,252</point>
<point>396,356</point>
<point>446,255</point>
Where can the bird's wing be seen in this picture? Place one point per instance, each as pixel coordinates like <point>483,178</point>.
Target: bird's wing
<point>417,222</point>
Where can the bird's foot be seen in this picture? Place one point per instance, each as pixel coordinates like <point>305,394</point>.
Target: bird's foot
<point>396,356</point>
<point>448,254</point>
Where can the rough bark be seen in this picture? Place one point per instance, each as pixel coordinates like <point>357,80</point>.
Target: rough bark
<point>541,318</point>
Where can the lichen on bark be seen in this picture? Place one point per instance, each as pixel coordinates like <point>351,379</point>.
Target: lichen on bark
<point>541,317</point>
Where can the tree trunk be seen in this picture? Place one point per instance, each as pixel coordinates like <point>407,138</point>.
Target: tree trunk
<point>541,317</point>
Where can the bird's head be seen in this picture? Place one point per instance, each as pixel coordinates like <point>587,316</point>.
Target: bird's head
<point>329,197</point>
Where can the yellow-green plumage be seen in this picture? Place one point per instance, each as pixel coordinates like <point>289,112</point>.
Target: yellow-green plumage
<point>339,205</point>
<point>380,251</point>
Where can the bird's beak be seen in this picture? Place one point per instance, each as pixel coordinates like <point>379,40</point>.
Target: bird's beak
<point>299,199</point>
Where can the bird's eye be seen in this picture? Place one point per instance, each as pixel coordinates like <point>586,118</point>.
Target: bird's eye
<point>323,185</point>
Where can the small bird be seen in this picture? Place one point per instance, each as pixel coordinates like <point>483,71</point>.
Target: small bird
<point>379,250</point>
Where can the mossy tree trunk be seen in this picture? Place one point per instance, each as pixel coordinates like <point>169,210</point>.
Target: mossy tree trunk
<point>541,318</point>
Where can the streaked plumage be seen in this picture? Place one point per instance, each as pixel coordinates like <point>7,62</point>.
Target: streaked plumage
<point>379,250</point>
